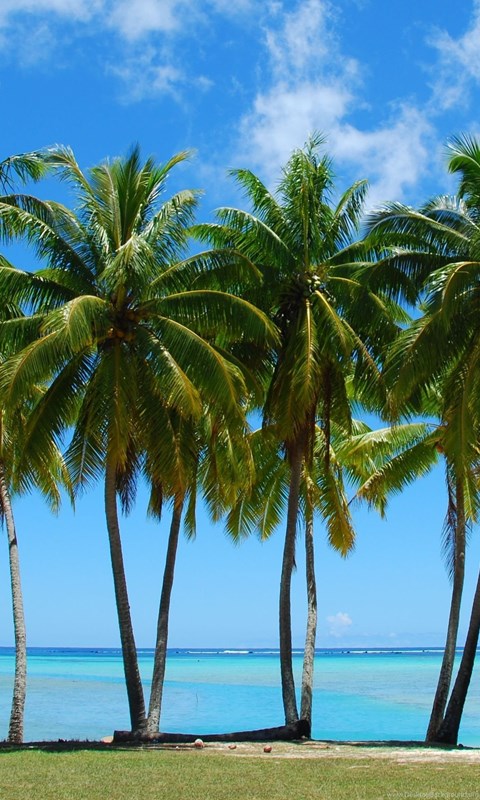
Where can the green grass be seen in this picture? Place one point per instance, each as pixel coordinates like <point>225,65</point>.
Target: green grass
<point>190,775</point>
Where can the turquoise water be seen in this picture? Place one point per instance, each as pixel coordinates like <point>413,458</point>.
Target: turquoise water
<point>374,694</point>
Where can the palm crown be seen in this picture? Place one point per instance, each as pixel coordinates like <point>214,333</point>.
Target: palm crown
<point>435,251</point>
<point>313,287</point>
<point>119,323</point>
<point>125,338</point>
<point>333,329</point>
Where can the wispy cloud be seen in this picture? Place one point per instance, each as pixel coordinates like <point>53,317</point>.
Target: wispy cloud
<point>394,156</point>
<point>303,35</point>
<point>338,624</point>
<point>307,81</point>
<point>135,19</point>
<point>145,43</point>
<point>147,74</point>
<point>131,19</point>
<point>28,27</point>
<point>282,118</point>
<point>315,86</point>
<point>307,91</point>
<point>458,65</point>
<point>82,10</point>
<point>134,34</point>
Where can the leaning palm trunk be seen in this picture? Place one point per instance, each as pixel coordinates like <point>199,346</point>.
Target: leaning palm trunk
<point>155,705</point>
<point>285,620</point>
<point>448,731</point>
<point>15,731</point>
<point>311,633</point>
<point>445,677</point>
<point>130,661</point>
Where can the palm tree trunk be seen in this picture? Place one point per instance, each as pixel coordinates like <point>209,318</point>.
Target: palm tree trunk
<point>15,730</point>
<point>133,681</point>
<point>445,677</point>
<point>285,617</point>
<point>448,732</point>
<point>155,705</point>
<point>311,633</point>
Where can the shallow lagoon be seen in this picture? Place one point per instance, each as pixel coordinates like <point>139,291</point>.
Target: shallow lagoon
<point>359,694</point>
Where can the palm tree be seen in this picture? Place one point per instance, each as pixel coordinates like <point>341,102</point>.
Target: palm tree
<point>262,506</point>
<point>214,457</point>
<point>22,166</point>
<point>447,733</point>
<point>437,251</point>
<point>455,438</point>
<point>375,462</point>
<point>415,457</point>
<point>464,377</point>
<point>18,476</point>
<point>20,473</point>
<point>330,324</point>
<point>15,730</point>
<point>462,460</point>
<point>121,337</point>
<point>462,507</point>
<point>160,657</point>
<point>461,466</point>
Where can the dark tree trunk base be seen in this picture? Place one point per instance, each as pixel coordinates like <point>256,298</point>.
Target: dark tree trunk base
<point>284,733</point>
<point>448,739</point>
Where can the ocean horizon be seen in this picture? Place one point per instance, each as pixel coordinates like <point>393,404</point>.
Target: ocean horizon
<point>359,693</point>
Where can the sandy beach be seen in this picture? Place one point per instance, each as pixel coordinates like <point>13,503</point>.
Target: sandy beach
<point>396,752</point>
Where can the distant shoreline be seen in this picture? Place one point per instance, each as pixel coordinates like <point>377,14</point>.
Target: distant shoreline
<point>236,651</point>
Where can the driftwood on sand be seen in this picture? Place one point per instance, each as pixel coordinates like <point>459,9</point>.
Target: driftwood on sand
<point>283,733</point>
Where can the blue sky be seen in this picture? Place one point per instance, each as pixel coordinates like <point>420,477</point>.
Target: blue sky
<point>241,83</point>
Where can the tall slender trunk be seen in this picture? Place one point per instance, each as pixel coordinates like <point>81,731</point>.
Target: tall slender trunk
<point>285,618</point>
<point>15,730</point>
<point>136,701</point>
<point>445,677</point>
<point>311,632</point>
<point>448,732</point>
<point>155,705</point>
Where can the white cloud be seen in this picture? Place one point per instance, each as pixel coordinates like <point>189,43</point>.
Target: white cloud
<point>145,65</point>
<point>27,27</point>
<point>303,36</point>
<point>338,624</point>
<point>283,118</point>
<point>142,36</point>
<point>134,19</point>
<point>459,64</point>
<point>36,49</point>
<point>81,10</point>
<point>305,94</point>
<point>393,157</point>
<point>147,75</point>
<point>314,86</point>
